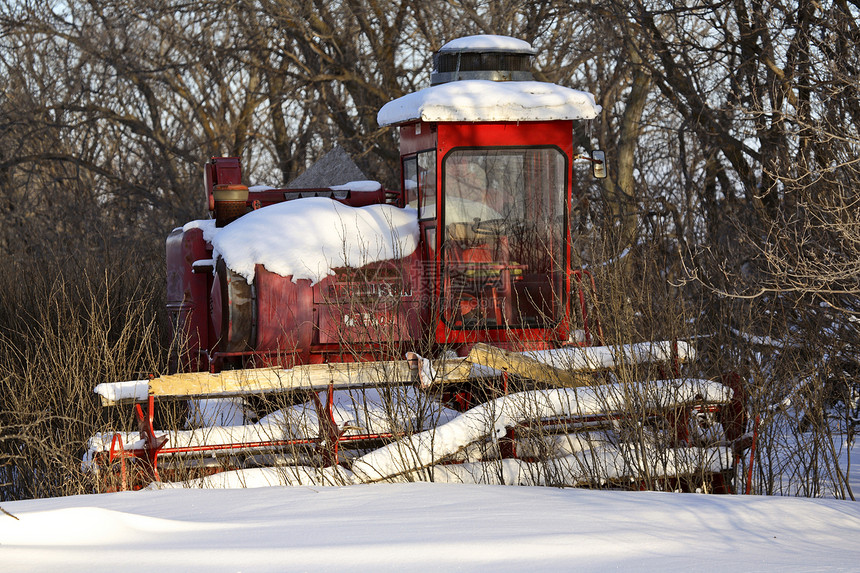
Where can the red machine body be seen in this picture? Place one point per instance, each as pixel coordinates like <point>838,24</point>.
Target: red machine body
<point>463,285</point>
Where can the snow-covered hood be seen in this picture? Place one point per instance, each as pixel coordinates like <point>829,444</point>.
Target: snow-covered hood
<point>309,238</point>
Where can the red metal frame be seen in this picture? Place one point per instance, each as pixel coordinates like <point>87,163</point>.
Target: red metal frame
<point>145,459</point>
<point>287,341</point>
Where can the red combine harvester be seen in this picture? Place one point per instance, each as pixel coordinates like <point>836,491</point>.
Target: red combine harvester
<point>350,334</point>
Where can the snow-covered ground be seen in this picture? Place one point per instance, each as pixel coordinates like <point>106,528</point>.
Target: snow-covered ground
<point>427,526</point>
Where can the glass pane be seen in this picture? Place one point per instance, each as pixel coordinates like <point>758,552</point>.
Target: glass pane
<point>410,181</point>
<point>427,184</point>
<point>503,255</point>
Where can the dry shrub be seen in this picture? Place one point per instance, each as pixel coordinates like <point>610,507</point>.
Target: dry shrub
<point>67,327</point>
<point>801,383</point>
<point>70,322</point>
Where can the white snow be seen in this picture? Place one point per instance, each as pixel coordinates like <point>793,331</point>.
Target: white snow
<point>358,186</point>
<point>763,340</point>
<point>364,411</point>
<point>485,100</point>
<point>488,43</point>
<point>427,527</point>
<point>468,437</point>
<point>232,411</point>
<point>601,462</point>
<point>598,357</point>
<point>493,418</point>
<point>450,434</point>
<point>206,225</point>
<point>583,357</point>
<point>136,390</point>
<point>308,238</point>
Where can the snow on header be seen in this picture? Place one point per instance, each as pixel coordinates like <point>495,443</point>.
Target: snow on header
<point>308,238</point>
<point>488,43</point>
<point>484,100</point>
<point>358,186</point>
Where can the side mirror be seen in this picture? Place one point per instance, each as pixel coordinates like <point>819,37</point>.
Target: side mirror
<point>598,164</point>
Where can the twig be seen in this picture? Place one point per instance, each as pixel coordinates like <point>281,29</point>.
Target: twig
<point>9,514</point>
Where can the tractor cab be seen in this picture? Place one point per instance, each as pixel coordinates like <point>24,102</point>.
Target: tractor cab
<point>486,156</point>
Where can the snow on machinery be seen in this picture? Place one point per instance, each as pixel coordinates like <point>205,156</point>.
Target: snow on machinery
<point>317,307</point>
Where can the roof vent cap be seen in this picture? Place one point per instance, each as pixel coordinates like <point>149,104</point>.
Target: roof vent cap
<point>484,57</point>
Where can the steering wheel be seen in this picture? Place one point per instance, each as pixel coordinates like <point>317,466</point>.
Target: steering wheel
<point>489,227</point>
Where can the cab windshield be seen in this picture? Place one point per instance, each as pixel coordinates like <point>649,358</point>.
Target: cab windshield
<point>503,251</point>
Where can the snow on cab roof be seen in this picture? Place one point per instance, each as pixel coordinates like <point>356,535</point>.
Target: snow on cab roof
<point>488,43</point>
<point>485,100</point>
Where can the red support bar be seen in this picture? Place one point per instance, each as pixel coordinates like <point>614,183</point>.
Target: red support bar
<point>117,449</point>
<point>152,443</point>
<point>329,432</point>
<point>752,454</point>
